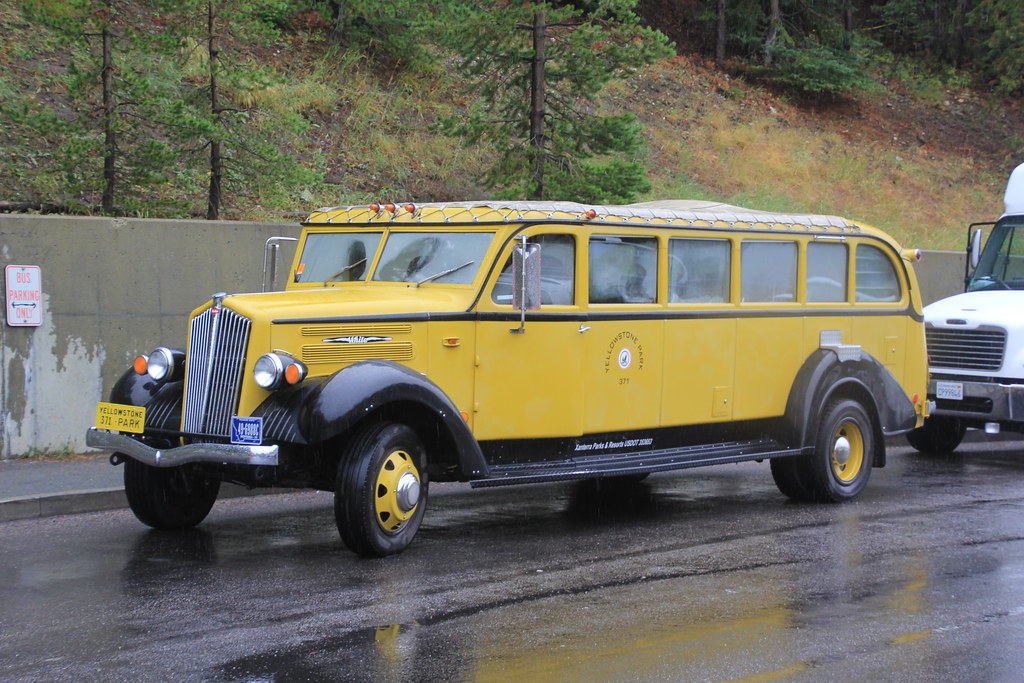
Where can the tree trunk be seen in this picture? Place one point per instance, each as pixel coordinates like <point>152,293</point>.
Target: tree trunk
<point>720,38</point>
<point>216,163</point>
<point>537,102</point>
<point>774,22</point>
<point>109,134</point>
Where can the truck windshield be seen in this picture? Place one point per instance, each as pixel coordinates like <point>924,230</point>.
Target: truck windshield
<point>1002,261</point>
<point>422,257</point>
<point>337,257</point>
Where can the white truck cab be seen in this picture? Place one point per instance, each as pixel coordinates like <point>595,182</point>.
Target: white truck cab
<point>976,339</point>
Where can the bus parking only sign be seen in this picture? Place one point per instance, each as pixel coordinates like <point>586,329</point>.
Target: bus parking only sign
<point>24,295</point>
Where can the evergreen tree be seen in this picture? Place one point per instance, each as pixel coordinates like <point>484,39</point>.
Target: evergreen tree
<point>100,152</point>
<point>1000,24</point>
<point>217,114</point>
<point>534,71</point>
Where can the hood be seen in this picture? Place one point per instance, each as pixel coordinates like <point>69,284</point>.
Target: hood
<point>977,308</point>
<point>360,302</point>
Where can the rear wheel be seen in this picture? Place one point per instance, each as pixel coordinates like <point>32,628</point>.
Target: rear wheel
<point>168,497</point>
<point>841,464</point>
<point>381,490</point>
<point>938,435</point>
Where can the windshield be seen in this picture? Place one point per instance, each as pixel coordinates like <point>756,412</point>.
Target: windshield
<point>1002,261</point>
<point>337,257</point>
<point>422,257</point>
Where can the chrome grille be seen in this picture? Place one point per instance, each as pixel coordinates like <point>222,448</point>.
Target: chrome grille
<point>980,349</point>
<point>213,379</point>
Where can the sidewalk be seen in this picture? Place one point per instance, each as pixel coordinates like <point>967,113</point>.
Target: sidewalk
<point>65,486</point>
<point>45,488</point>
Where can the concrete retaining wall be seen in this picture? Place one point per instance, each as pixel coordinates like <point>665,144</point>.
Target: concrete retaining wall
<point>113,288</point>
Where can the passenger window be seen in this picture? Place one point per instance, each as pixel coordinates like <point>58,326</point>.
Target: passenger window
<point>876,276</point>
<point>623,269</point>
<point>826,271</point>
<point>557,272</point>
<point>768,271</point>
<point>698,270</point>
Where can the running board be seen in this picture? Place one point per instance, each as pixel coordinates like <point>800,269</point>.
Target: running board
<point>638,462</point>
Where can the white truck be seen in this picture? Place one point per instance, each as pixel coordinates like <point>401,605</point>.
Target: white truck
<point>976,339</point>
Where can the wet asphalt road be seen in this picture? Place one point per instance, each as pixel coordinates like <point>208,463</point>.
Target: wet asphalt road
<point>702,575</point>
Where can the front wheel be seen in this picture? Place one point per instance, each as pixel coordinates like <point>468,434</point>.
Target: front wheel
<point>168,497</point>
<point>841,463</point>
<point>938,435</point>
<point>381,490</point>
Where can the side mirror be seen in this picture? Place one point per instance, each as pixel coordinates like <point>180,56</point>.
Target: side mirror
<point>525,280</point>
<point>271,256</point>
<point>975,248</point>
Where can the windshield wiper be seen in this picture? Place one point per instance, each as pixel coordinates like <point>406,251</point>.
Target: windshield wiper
<point>345,269</point>
<point>444,272</point>
<point>992,281</point>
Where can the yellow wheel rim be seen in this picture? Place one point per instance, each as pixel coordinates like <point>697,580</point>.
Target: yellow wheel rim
<point>397,493</point>
<point>847,452</point>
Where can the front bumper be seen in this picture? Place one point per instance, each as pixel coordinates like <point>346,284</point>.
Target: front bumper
<point>220,453</point>
<point>987,401</point>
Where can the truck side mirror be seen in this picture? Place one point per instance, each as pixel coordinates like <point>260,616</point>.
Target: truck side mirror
<point>525,280</point>
<point>976,241</point>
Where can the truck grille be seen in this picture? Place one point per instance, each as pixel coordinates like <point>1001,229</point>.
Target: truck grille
<point>216,358</point>
<point>980,349</point>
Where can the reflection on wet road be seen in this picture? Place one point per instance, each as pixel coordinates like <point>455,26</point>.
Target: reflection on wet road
<point>701,575</point>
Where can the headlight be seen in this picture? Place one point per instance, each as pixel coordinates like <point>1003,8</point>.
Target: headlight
<point>161,364</point>
<point>273,371</point>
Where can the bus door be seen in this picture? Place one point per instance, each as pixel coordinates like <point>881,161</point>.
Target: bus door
<point>528,382</point>
<point>624,342</point>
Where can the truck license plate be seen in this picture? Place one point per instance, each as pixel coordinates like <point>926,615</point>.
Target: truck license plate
<point>121,418</point>
<point>951,391</point>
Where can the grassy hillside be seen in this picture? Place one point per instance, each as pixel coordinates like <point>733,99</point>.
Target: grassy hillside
<point>914,156</point>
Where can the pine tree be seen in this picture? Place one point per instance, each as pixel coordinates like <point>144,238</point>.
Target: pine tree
<point>217,115</point>
<point>534,71</point>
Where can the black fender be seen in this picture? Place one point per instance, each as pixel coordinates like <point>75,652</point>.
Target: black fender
<point>162,401</point>
<point>324,408</point>
<point>824,375</point>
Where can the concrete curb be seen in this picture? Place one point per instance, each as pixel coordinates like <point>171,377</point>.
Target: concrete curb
<point>96,500</point>
<point>67,503</point>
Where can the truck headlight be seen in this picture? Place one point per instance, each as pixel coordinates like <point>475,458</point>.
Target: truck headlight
<point>274,370</point>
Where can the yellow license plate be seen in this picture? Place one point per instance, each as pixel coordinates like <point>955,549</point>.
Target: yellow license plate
<point>120,418</point>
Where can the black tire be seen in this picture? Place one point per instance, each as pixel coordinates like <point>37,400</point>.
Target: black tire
<point>843,451</point>
<point>938,435</point>
<point>381,490</point>
<point>168,497</point>
<point>789,474</point>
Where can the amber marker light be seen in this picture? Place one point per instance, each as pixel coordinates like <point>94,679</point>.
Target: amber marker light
<point>141,365</point>
<point>590,214</point>
<point>375,208</point>
<point>390,208</point>
<point>411,208</point>
<point>294,373</point>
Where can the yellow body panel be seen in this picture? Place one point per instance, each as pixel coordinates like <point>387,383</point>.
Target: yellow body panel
<point>580,368</point>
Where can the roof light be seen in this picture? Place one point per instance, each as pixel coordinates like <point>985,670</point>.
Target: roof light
<point>590,214</point>
<point>411,208</point>
<point>390,208</point>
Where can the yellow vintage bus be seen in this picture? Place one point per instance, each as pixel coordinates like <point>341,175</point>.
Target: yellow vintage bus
<point>509,343</point>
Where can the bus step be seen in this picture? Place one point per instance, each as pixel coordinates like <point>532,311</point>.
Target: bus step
<point>639,462</point>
